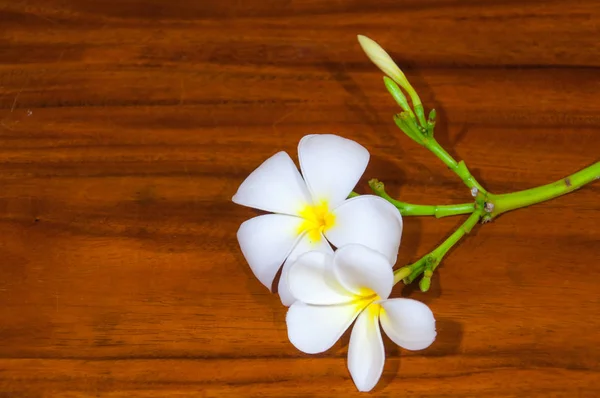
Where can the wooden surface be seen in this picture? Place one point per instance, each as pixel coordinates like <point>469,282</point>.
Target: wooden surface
<point>126,126</point>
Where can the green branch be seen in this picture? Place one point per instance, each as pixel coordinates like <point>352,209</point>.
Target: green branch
<point>428,263</point>
<point>516,200</point>
<point>423,134</point>
<point>487,206</point>
<point>409,209</point>
<point>424,137</point>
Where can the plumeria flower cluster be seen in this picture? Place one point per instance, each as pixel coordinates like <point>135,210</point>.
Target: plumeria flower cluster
<point>314,212</point>
<point>327,291</point>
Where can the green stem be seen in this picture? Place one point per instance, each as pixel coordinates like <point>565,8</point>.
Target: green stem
<point>501,204</point>
<point>428,263</point>
<point>424,137</point>
<point>409,209</point>
<point>487,206</point>
<point>459,168</point>
<point>453,239</point>
<point>516,200</point>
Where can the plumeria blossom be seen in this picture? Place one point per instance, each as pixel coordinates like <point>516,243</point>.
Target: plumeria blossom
<point>312,210</point>
<point>353,284</point>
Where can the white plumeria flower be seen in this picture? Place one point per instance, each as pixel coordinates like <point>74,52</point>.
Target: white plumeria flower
<point>312,211</point>
<point>354,283</point>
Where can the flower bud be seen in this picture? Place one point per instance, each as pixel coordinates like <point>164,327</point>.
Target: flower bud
<point>383,60</point>
<point>387,65</point>
<point>408,125</point>
<point>432,116</point>
<point>431,122</point>
<point>425,283</point>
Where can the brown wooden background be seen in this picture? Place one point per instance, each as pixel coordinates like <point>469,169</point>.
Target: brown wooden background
<point>126,126</point>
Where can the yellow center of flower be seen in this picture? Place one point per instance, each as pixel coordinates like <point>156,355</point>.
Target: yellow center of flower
<point>374,309</point>
<point>317,219</point>
<point>366,301</point>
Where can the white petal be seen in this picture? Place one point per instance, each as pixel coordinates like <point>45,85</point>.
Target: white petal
<point>315,328</point>
<point>331,166</point>
<point>363,271</point>
<point>285,295</point>
<point>305,245</point>
<point>366,354</point>
<point>310,280</point>
<point>408,323</point>
<point>276,186</point>
<point>368,220</point>
<point>266,241</point>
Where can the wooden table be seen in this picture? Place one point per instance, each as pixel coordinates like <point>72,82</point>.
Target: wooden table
<point>126,127</point>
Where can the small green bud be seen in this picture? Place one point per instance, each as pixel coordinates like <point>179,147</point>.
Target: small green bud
<point>420,112</point>
<point>432,115</point>
<point>398,95</point>
<point>425,284</point>
<point>376,185</point>
<point>409,126</point>
<point>431,123</point>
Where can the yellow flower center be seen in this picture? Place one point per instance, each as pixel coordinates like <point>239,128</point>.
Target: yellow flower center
<point>367,303</point>
<point>317,219</point>
<point>374,309</point>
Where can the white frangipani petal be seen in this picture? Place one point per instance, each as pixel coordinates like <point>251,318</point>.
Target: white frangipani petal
<point>331,166</point>
<point>266,241</point>
<point>366,353</point>
<point>311,280</point>
<point>275,186</point>
<point>315,328</point>
<point>285,295</point>
<point>303,246</point>
<point>408,323</point>
<point>368,220</point>
<point>363,271</point>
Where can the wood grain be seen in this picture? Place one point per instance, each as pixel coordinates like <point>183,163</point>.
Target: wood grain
<point>127,125</point>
